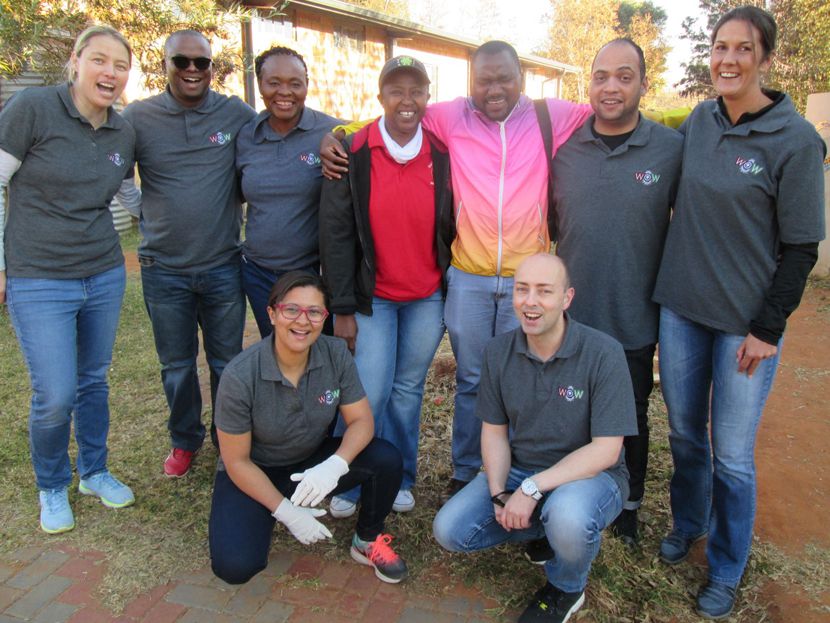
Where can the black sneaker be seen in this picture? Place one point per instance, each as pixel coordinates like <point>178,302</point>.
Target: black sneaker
<point>453,487</point>
<point>539,551</point>
<point>550,605</point>
<point>625,527</point>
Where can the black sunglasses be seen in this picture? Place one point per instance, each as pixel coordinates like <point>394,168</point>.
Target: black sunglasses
<point>183,62</point>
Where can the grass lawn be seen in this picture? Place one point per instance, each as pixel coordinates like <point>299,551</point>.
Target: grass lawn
<point>165,533</point>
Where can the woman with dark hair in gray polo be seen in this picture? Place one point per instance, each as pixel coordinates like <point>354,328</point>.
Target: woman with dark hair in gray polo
<point>64,152</point>
<point>277,158</point>
<point>744,236</point>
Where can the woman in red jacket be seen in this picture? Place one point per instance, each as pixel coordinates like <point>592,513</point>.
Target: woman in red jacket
<point>385,235</point>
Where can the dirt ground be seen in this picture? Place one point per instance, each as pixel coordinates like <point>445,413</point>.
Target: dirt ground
<point>792,456</point>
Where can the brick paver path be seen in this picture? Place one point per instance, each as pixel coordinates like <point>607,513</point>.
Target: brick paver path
<point>53,584</point>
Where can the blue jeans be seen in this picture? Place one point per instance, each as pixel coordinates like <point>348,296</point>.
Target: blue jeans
<point>66,329</point>
<point>477,309</point>
<point>240,529</point>
<point>179,303</point>
<point>257,282</point>
<point>713,486</point>
<point>572,519</point>
<point>395,347</point>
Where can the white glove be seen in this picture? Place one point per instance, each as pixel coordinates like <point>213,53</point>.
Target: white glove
<point>318,481</point>
<point>301,522</point>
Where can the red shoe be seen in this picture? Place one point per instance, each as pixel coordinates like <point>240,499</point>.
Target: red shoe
<point>178,462</point>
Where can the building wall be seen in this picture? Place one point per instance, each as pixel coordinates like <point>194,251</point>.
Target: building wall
<point>539,84</point>
<point>448,68</point>
<point>343,58</point>
<point>10,87</point>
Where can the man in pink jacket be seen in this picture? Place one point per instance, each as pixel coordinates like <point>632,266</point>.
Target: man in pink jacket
<point>500,188</point>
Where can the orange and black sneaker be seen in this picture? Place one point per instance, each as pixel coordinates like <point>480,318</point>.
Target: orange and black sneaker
<point>389,567</point>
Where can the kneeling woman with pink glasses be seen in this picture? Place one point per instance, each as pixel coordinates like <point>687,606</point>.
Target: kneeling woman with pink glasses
<point>275,411</point>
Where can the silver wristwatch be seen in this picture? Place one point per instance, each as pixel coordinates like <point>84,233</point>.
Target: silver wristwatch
<point>530,489</point>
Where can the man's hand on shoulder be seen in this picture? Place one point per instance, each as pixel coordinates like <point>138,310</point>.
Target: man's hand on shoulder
<point>345,327</point>
<point>334,157</point>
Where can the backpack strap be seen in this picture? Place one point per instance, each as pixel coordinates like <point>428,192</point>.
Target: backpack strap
<point>543,117</point>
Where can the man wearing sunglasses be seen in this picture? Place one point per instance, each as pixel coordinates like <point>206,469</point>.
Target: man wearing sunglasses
<point>555,401</point>
<point>190,216</point>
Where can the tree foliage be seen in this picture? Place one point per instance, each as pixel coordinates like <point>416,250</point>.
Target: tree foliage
<point>628,10</point>
<point>648,34</point>
<point>801,63</point>
<point>39,35</point>
<point>27,26</point>
<point>580,27</point>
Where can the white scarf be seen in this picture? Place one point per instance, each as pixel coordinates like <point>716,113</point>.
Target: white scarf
<point>401,153</point>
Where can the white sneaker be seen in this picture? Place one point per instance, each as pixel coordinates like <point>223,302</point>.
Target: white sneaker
<point>341,507</point>
<point>404,501</point>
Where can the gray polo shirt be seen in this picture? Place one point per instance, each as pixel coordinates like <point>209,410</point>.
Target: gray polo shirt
<point>612,209</point>
<point>286,423</point>
<point>59,225</point>
<point>744,189</point>
<point>281,180</point>
<point>190,206</point>
<point>557,406</point>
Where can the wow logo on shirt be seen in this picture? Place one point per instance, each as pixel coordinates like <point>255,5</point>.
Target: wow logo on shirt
<point>310,158</point>
<point>570,394</point>
<point>116,159</point>
<point>748,166</point>
<point>220,138</point>
<point>646,178</point>
<point>329,397</point>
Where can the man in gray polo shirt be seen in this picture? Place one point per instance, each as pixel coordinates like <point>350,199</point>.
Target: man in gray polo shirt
<point>555,402</point>
<point>190,213</point>
<point>615,182</point>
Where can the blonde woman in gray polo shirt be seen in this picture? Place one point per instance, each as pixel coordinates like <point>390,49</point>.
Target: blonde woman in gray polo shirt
<point>747,221</point>
<point>63,153</point>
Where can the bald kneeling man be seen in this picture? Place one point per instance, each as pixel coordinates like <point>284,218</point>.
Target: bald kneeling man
<point>564,392</point>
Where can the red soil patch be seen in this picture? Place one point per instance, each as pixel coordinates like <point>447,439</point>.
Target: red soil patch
<point>792,454</point>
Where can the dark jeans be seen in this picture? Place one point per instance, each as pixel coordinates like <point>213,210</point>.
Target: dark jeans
<point>257,282</point>
<point>240,528</point>
<point>179,303</point>
<point>641,368</point>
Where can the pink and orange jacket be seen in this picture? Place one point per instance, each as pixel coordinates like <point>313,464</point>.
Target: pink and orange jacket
<point>499,179</point>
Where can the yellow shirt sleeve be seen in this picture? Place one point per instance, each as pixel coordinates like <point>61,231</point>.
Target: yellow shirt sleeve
<point>351,128</point>
<point>671,118</point>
